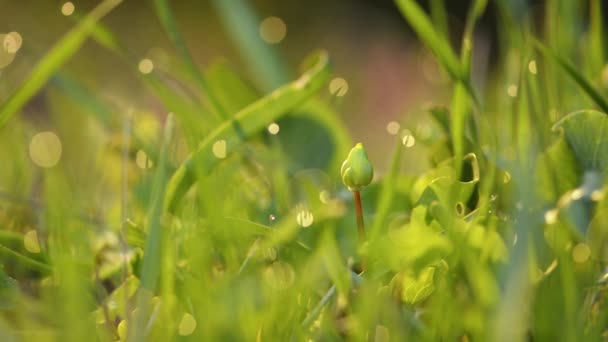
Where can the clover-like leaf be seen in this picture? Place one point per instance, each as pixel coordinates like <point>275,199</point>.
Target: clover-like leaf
<point>357,171</point>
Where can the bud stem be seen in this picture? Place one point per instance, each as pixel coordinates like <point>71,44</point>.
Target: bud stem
<point>360,225</point>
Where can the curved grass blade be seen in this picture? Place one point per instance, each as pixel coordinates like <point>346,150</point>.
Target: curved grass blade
<point>241,22</point>
<point>249,121</point>
<point>567,67</point>
<point>386,195</point>
<point>163,10</point>
<point>439,45</point>
<point>54,59</point>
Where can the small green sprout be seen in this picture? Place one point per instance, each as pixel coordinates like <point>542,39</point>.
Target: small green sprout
<point>357,172</point>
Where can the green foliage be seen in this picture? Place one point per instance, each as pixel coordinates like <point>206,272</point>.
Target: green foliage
<point>232,222</point>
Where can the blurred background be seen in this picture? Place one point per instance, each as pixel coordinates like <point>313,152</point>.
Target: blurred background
<point>382,74</point>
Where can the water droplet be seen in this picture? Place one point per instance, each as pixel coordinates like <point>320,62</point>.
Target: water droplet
<point>146,66</point>
<point>274,128</point>
<point>581,253</point>
<point>514,239</point>
<point>219,149</point>
<point>45,149</point>
<point>305,218</point>
<point>551,216</point>
<point>512,90</point>
<point>393,128</point>
<point>142,160</point>
<point>187,325</point>
<point>30,242</point>
<point>67,8</point>
<point>273,30</point>
<point>532,67</point>
<point>338,87</point>
<point>271,218</point>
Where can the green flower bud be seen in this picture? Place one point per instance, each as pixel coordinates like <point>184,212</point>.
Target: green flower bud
<point>357,171</point>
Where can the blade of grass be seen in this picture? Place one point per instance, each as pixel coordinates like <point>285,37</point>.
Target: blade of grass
<point>439,16</point>
<point>250,120</point>
<point>150,270</point>
<point>387,193</point>
<point>163,10</point>
<point>26,261</point>
<point>596,37</point>
<point>438,44</point>
<point>53,60</point>
<point>577,77</point>
<point>242,22</point>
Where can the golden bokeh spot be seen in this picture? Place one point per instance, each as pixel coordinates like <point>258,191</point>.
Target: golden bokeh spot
<point>142,160</point>
<point>273,30</point>
<point>219,149</point>
<point>512,90</point>
<point>407,139</point>
<point>274,128</point>
<point>532,67</point>
<point>67,9</point>
<point>30,242</point>
<point>45,149</point>
<point>187,325</point>
<point>145,66</point>
<point>338,86</point>
<point>581,253</point>
<point>12,42</point>
<point>551,216</point>
<point>305,218</point>
<point>324,196</point>
<point>393,128</point>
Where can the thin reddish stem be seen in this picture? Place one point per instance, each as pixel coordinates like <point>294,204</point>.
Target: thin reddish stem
<point>360,224</point>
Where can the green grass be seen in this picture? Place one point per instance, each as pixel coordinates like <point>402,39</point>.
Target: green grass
<point>234,233</point>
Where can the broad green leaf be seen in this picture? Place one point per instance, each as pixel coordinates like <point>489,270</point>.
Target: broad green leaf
<point>244,125</point>
<point>415,245</point>
<point>54,59</point>
<point>587,134</point>
<point>557,171</point>
<point>415,289</point>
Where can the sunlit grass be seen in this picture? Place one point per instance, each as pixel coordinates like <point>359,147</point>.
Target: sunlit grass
<point>228,219</point>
